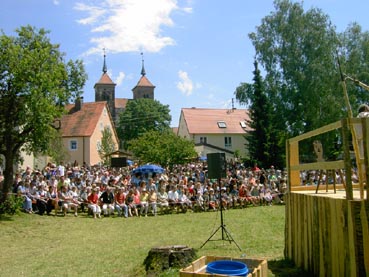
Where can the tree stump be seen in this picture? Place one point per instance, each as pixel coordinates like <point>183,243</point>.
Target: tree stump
<point>162,258</point>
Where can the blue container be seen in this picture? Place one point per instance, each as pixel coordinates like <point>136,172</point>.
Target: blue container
<point>226,267</point>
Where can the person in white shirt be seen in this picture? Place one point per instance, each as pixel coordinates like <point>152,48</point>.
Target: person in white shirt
<point>61,169</point>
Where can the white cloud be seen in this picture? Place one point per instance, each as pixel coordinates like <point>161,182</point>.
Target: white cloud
<point>94,13</point>
<point>120,78</point>
<point>56,2</point>
<point>130,25</point>
<point>185,84</point>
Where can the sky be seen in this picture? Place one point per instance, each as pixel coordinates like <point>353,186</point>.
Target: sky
<point>196,52</point>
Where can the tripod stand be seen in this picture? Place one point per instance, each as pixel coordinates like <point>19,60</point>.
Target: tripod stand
<point>225,234</point>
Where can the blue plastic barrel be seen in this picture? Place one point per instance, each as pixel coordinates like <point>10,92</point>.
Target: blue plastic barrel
<point>227,267</point>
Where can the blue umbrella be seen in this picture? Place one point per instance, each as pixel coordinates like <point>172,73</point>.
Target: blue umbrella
<point>129,162</point>
<point>148,168</point>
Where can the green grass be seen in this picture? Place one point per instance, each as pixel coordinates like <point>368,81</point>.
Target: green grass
<point>33,245</point>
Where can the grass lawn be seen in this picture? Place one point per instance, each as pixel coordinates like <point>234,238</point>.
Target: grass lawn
<point>33,245</point>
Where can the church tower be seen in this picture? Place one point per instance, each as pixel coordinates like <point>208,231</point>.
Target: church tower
<point>105,89</point>
<point>144,88</point>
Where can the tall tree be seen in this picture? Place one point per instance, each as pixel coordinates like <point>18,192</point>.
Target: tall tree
<point>298,51</point>
<point>35,83</point>
<point>141,116</point>
<point>259,136</point>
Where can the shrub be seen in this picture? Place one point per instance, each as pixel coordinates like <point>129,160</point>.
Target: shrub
<point>11,205</point>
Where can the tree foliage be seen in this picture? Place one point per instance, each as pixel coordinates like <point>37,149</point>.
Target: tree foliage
<point>354,56</point>
<point>164,148</point>
<point>107,146</point>
<point>35,84</point>
<point>261,139</point>
<point>56,149</point>
<point>141,116</point>
<point>299,52</point>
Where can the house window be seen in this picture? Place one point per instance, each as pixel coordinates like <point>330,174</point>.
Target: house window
<point>227,141</point>
<point>222,124</point>
<point>98,145</point>
<point>243,124</point>
<point>73,145</point>
<point>203,140</point>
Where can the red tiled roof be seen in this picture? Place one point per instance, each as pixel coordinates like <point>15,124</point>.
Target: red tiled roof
<point>144,82</point>
<point>175,130</point>
<point>81,123</point>
<point>205,121</point>
<point>121,103</point>
<point>105,79</point>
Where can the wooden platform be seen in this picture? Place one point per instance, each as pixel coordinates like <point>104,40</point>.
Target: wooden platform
<point>328,234</point>
<point>340,192</point>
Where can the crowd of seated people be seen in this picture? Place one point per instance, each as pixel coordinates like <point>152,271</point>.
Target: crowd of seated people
<point>100,191</point>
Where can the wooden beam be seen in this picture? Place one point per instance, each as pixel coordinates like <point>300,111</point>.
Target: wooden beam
<point>324,129</point>
<point>320,165</point>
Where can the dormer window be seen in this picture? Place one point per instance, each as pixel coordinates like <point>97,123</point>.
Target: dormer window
<point>222,124</point>
<point>243,124</point>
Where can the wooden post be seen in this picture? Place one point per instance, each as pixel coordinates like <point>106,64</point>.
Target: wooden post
<point>365,126</point>
<point>347,158</point>
<point>292,160</point>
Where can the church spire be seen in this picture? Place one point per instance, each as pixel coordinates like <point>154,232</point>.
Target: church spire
<point>143,73</point>
<point>105,69</point>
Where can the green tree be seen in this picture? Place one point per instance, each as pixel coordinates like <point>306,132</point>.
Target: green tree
<point>260,139</point>
<point>298,52</point>
<point>107,146</point>
<point>57,151</point>
<point>141,116</point>
<point>354,57</point>
<point>35,84</point>
<point>163,148</point>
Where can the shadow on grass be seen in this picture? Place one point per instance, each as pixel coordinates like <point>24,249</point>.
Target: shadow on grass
<point>285,267</point>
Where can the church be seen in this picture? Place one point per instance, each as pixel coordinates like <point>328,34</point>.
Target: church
<point>105,91</point>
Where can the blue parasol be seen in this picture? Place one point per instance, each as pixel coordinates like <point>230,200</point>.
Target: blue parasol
<point>130,162</point>
<point>148,168</point>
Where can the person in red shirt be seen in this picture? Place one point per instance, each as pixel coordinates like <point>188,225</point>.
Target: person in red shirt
<point>93,203</point>
<point>119,200</point>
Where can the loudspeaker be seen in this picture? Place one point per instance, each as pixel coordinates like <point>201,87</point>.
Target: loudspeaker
<point>216,165</point>
<point>118,162</point>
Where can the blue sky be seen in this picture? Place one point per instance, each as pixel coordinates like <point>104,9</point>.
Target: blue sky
<point>196,52</point>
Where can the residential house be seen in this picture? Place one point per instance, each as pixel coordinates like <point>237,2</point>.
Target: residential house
<point>82,130</point>
<point>215,130</point>
<point>82,126</point>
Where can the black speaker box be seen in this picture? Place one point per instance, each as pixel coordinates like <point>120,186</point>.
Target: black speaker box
<point>118,162</point>
<point>216,165</point>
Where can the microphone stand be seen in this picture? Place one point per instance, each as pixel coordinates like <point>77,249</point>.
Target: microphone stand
<point>226,236</point>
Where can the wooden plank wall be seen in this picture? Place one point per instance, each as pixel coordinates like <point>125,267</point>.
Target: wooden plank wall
<point>327,236</point>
